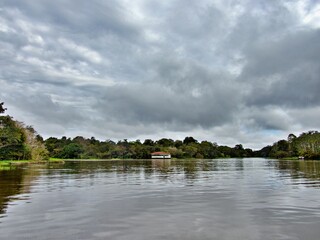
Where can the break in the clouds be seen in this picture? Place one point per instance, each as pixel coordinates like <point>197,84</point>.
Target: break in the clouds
<point>226,71</point>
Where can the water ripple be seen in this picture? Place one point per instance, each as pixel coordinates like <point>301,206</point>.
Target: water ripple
<point>166,199</point>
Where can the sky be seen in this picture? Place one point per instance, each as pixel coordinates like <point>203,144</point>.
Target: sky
<point>226,71</point>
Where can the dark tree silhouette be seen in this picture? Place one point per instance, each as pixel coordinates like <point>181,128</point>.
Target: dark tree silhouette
<point>2,109</point>
<point>188,140</point>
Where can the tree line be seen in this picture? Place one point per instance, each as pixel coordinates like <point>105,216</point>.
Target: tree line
<point>18,141</point>
<point>306,145</point>
<point>87,148</point>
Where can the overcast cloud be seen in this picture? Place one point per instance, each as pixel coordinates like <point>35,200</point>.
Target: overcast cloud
<point>228,71</point>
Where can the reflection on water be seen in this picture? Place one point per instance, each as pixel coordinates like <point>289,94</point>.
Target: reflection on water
<point>10,185</point>
<point>306,173</point>
<point>14,183</point>
<point>162,199</point>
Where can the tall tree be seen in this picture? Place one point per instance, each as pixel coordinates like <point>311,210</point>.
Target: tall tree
<point>18,141</point>
<point>189,140</point>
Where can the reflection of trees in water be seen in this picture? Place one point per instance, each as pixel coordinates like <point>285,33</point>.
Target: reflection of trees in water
<point>149,168</point>
<point>309,170</point>
<point>14,182</point>
<point>129,170</point>
<point>239,164</point>
<point>10,184</point>
<point>18,181</point>
<point>162,169</point>
<point>78,167</point>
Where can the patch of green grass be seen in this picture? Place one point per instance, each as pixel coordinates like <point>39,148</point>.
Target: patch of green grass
<point>56,160</point>
<point>290,158</point>
<point>4,164</point>
<point>8,164</point>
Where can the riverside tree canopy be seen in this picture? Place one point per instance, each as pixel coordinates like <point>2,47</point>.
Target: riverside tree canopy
<point>18,141</point>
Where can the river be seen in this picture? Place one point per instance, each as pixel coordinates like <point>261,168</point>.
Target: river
<point>162,199</point>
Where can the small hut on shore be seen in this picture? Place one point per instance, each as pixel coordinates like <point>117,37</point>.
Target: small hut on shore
<point>160,155</point>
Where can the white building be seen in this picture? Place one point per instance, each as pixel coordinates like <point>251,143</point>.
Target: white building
<point>163,155</point>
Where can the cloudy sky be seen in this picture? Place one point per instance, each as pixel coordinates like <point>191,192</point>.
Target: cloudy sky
<point>228,71</point>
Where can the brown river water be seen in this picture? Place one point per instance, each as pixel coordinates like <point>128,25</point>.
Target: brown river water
<point>162,199</point>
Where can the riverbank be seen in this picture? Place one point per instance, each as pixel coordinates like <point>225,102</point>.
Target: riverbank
<point>7,164</point>
<point>290,158</point>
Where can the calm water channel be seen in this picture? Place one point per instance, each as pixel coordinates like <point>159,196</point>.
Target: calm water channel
<point>162,199</point>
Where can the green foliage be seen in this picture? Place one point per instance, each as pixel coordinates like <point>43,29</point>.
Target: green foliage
<point>34,144</point>
<point>72,150</point>
<point>189,140</point>
<point>83,148</point>
<point>148,142</point>
<point>164,142</point>
<point>306,145</point>
<point>12,140</point>
<point>19,142</point>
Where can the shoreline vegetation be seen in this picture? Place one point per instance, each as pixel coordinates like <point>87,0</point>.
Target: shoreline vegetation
<point>19,142</point>
<point>9,164</point>
<point>306,145</point>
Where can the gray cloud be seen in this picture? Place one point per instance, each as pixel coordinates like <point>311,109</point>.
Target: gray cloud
<point>288,70</point>
<point>226,72</point>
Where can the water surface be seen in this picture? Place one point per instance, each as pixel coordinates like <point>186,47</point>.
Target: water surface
<point>162,199</point>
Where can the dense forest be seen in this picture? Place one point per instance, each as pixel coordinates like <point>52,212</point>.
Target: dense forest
<point>306,145</point>
<point>18,141</point>
<point>82,148</point>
